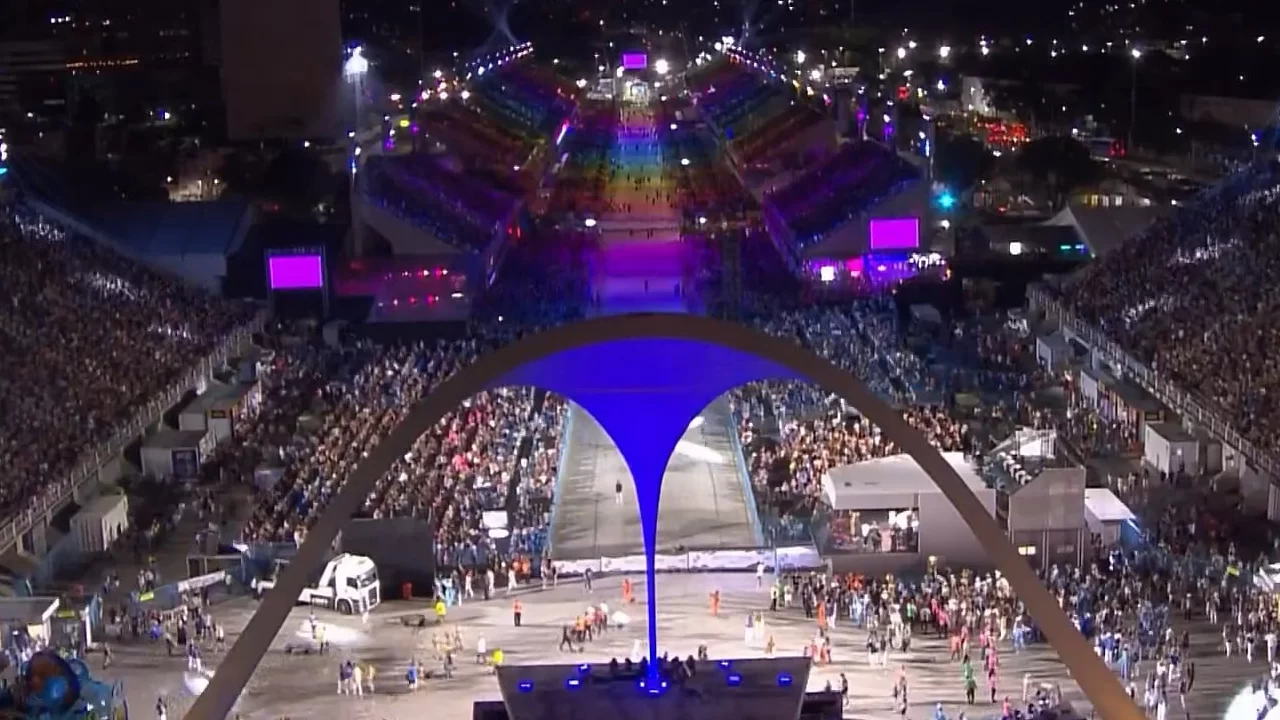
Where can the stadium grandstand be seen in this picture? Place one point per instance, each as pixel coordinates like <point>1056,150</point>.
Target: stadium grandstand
<point>534,210</point>
<point>491,141</point>
<point>817,193</point>
<point>1186,309</point>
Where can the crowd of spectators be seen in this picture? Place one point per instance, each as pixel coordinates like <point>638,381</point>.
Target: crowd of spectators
<point>423,190</point>
<point>848,183</point>
<point>786,471</point>
<point>498,452</point>
<point>581,185</point>
<point>425,200</point>
<point>90,338</point>
<point>465,189</point>
<point>707,192</point>
<point>761,121</point>
<point>529,97</point>
<point>502,119</point>
<point>1194,296</point>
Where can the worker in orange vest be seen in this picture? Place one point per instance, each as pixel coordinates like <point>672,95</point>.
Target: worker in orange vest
<point>627,597</point>
<point>517,610</point>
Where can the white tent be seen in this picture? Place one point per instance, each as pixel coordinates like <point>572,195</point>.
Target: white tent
<point>889,483</point>
<point>1104,513</point>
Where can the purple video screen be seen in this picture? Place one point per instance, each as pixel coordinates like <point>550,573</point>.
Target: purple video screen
<point>296,272</point>
<point>895,233</point>
<point>635,61</point>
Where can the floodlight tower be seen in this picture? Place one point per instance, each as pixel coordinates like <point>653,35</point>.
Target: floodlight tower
<point>354,71</point>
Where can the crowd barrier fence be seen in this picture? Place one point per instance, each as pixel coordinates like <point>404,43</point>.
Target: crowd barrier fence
<point>61,491</point>
<point>744,477</point>
<point>566,436</point>
<point>1199,410</point>
<point>779,559</point>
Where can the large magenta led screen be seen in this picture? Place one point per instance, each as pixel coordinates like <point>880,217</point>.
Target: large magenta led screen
<point>895,233</point>
<point>296,272</point>
<point>635,61</point>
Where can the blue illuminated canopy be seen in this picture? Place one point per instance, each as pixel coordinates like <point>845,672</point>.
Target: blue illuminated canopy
<point>644,393</point>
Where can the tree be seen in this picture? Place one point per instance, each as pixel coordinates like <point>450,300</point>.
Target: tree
<point>1058,165</point>
<point>961,161</point>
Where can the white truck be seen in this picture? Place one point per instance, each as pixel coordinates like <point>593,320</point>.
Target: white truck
<point>348,584</point>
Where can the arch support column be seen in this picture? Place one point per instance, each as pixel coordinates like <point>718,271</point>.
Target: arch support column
<point>645,427</point>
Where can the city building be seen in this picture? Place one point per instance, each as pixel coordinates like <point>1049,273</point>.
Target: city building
<point>32,76</point>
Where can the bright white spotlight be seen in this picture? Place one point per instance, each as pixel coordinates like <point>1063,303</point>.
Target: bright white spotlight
<point>684,162</point>
<point>700,453</point>
<point>589,222</point>
<point>357,64</point>
<point>662,67</point>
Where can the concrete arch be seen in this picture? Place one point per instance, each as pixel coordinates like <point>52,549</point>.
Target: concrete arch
<point>775,358</point>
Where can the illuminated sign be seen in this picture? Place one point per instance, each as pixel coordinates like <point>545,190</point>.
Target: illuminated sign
<point>895,233</point>
<point>635,61</point>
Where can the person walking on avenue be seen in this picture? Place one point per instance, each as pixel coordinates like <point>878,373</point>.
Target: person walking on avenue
<point>517,611</point>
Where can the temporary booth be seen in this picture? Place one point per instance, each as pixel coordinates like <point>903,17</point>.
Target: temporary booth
<point>175,453</point>
<point>1118,400</point>
<point>195,416</point>
<point>898,483</point>
<point>1046,517</point>
<point>73,623</point>
<point>1106,515</point>
<point>97,526</point>
<point>29,616</point>
<point>1052,350</point>
<point>219,408</point>
<point>1169,448</point>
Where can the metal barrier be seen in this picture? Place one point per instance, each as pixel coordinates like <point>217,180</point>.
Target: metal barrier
<point>59,493</point>
<point>1193,408</point>
<point>744,477</point>
<point>566,436</point>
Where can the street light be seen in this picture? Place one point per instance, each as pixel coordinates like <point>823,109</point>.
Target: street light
<point>662,67</point>
<point>944,52</point>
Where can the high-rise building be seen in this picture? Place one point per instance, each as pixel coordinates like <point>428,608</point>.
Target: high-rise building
<point>282,74</point>
<point>33,75</point>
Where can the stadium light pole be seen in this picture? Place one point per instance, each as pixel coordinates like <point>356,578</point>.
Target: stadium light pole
<point>354,70</point>
<point>1133,97</point>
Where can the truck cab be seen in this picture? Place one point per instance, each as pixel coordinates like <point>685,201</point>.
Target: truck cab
<point>348,584</point>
